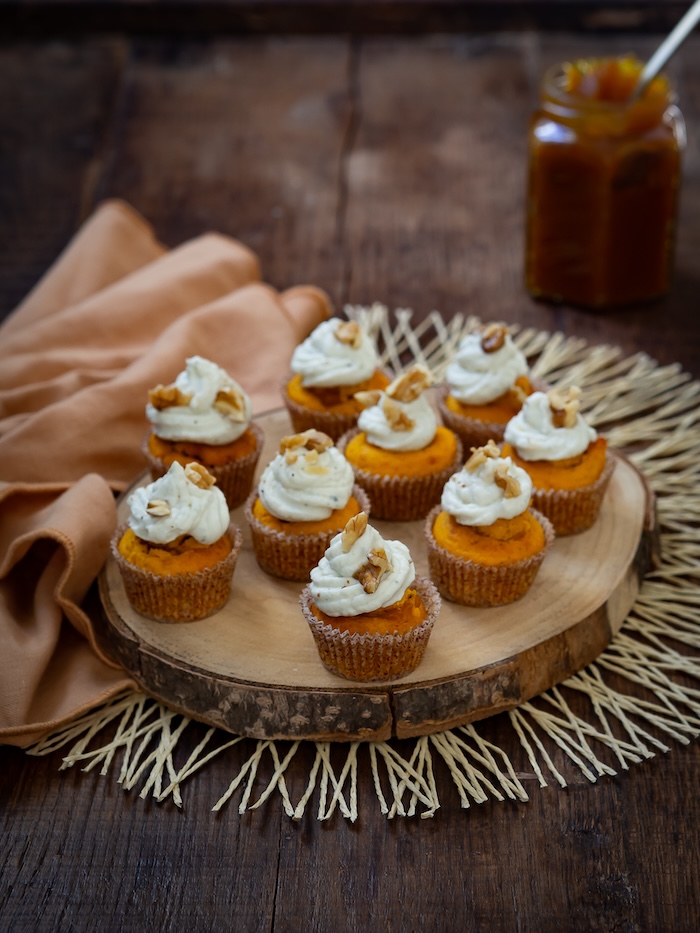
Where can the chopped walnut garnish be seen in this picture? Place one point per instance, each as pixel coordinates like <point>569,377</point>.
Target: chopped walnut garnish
<point>199,475</point>
<point>368,398</point>
<point>493,336</point>
<point>231,402</point>
<point>354,530</point>
<point>396,417</point>
<point>509,484</point>
<point>372,572</point>
<point>167,397</point>
<point>482,454</point>
<point>349,332</point>
<point>517,394</point>
<point>310,440</point>
<point>158,508</point>
<point>565,404</point>
<point>409,385</point>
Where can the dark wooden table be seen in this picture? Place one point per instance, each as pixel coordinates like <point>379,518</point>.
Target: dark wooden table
<point>381,168</point>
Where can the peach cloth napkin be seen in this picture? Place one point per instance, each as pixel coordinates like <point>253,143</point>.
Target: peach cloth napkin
<point>115,315</point>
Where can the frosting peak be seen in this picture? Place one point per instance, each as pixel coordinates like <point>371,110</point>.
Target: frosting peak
<point>488,487</point>
<point>184,501</point>
<point>204,405</point>
<point>549,427</point>
<point>486,365</point>
<point>360,571</point>
<point>336,353</point>
<point>400,417</point>
<point>307,480</point>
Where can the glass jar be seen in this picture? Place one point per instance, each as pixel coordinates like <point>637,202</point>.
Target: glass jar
<point>603,180</point>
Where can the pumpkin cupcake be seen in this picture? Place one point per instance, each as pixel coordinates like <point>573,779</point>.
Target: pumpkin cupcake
<point>401,456</point>
<point>485,545</point>
<point>370,616</point>
<point>305,496</point>
<point>205,416</point>
<point>178,551</point>
<point>485,386</point>
<point>568,462</point>
<point>337,360</point>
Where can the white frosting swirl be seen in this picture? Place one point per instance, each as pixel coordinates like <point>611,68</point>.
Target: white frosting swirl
<point>378,427</point>
<point>533,435</point>
<point>323,360</point>
<point>334,588</point>
<point>199,420</point>
<point>201,513</point>
<point>473,497</point>
<point>476,377</point>
<point>308,489</point>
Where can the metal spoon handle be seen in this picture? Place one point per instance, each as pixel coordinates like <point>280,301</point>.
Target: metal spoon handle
<point>678,34</point>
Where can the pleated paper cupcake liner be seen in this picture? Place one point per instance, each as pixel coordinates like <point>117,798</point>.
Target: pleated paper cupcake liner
<point>572,511</point>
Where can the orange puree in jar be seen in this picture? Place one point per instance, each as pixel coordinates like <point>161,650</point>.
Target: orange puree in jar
<point>506,541</point>
<point>408,613</point>
<point>337,398</point>
<point>573,473</point>
<point>438,455</point>
<point>337,520</point>
<point>499,411</point>
<point>186,555</point>
<point>604,173</point>
<point>208,454</point>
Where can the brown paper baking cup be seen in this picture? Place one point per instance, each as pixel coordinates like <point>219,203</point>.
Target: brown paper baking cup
<point>402,498</point>
<point>178,597</point>
<point>572,511</point>
<point>482,585</point>
<point>234,479</point>
<point>288,556</point>
<point>303,419</point>
<point>370,657</point>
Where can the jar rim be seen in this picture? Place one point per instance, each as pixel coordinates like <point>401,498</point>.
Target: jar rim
<point>552,86</point>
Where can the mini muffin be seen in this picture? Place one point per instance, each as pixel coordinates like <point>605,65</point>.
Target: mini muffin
<point>305,496</point>
<point>569,464</point>
<point>485,386</point>
<point>485,545</point>
<point>370,616</point>
<point>401,456</point>
<point>178,551</point>
<point>336,361</point>
<point>205,416</point>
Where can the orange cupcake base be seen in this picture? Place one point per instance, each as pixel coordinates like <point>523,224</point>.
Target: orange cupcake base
<point>291,556</point>
<point>234,479</point>
<point>482,585</point>
<point>332,422</point>
<point>371,657</point>
<point>402,498</point>
<point>178,597</point>
<point>572,511</point>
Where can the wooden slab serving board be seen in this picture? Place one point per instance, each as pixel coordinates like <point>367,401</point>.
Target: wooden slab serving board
<point>253,669</point>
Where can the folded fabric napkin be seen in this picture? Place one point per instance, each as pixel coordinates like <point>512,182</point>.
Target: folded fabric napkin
<point>116,315</point>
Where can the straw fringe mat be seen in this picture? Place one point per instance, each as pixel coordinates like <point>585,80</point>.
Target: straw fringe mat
<point>652,411</point>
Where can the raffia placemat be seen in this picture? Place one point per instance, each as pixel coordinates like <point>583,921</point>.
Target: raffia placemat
<point>639,693</point>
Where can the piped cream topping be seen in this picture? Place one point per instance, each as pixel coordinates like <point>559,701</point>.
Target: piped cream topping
<point>204,405</point>
<point>307,480</point>
<point>361,571</point>
<point>488,487</point>
<point>184,501</point>
<point>400,417</point>
<point>549,426</point>
<point>336,353</point>
<point>485,366</point>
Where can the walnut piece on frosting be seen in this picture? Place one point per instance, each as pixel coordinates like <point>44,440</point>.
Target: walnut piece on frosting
<point>368,398</point>
<point>231,402</point>
<point>509,484</point>
<point>565,405</point>
<point>493,336</point>
<point>306,443</point>
<point>372,572</point>
<point>354,529</point>
<point>158,508</point>
<point>170,396</point>
<point>482,454</point>
<point>409,385</point>
<point>199,475</point>
<point>349,332</point>
<point>396,417</point>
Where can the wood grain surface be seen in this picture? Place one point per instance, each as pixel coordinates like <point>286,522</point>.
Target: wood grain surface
<point>380,169</point>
